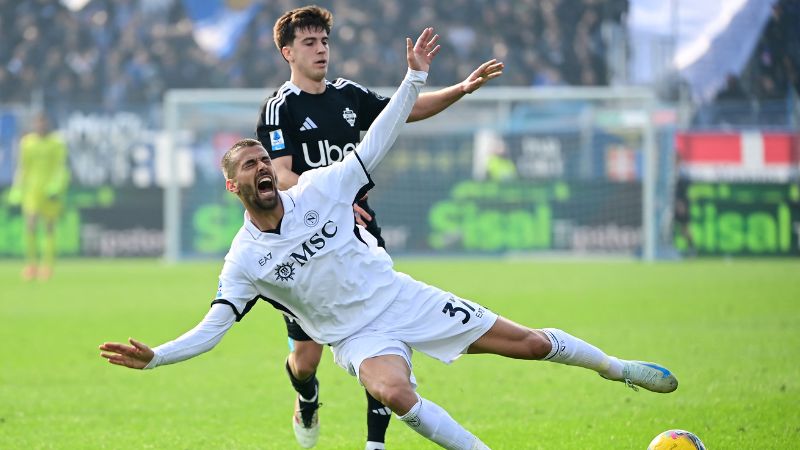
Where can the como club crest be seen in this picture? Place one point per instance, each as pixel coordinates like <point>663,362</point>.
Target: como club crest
<point>349,116</point>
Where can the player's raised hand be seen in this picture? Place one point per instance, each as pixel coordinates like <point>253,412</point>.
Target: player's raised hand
<point>135,356</point>
<point>421,53</point>
<point>485,72</point>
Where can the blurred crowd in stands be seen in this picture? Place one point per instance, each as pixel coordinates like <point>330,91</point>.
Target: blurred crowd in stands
<point>128,52</point>
<point>109,52</point>
<point>122,52</point>
<point>761,94</point>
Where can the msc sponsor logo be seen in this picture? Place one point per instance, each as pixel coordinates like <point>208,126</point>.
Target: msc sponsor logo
<point>284,272</point>
<point>326,153</point>
<point>314,244</point>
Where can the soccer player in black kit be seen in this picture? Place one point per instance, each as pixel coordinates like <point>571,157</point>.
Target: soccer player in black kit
<point>311,122</point>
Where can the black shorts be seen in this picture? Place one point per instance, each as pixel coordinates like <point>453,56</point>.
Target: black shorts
<point>293,329</point>
<point>372,226</point>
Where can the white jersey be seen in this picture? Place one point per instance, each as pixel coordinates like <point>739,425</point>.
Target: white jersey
<point>317,268</point>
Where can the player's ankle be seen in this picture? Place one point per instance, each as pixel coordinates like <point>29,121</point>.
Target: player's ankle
<point>29,272</point>
<point>614,370</point>
<point>372,445</point>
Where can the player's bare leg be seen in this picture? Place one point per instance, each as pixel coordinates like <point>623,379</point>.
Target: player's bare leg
<point>304,359</point>
<point>378,414</point>
<point>29,271</point>
<point>512,340</point>
<point>48,250</point>
<point>301,366</point>
<point>387,378</point>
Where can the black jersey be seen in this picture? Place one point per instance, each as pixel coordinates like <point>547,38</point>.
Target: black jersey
<point>317,129</point>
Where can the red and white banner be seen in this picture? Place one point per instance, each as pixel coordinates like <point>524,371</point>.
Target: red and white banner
<point>739,156</point>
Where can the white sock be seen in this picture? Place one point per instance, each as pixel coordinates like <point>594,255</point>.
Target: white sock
<point>433,422</point>
<point>567,349</point>
<point>371,445</point>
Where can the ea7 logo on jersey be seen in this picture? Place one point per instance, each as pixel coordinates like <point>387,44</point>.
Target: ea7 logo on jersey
<point>349,116</point>
<point>263,260</point>
<point>276,140</point>
<point>315,243</point>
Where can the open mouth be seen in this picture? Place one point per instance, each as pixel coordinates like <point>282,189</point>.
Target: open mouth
<point>264,184</point>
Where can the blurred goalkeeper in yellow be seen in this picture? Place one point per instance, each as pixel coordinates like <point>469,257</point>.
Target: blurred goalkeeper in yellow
<point>40,184</point>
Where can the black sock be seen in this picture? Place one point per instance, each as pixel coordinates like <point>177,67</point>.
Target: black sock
<point>306,388</point>
<point>378,417</point>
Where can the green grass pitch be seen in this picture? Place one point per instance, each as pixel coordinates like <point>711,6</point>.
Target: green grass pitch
<point>730,330</point>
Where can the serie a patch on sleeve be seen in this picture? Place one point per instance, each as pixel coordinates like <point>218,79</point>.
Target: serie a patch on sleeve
<point>276,140</point>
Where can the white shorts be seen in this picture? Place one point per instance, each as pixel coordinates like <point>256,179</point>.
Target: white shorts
<point>421,317</point>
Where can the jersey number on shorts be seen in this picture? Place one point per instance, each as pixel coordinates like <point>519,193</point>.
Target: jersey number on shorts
<point>452,310</point>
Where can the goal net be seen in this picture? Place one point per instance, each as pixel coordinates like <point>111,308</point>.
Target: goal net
<point>504,170</point>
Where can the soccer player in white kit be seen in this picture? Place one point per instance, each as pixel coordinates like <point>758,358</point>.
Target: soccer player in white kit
<point>301,251</point>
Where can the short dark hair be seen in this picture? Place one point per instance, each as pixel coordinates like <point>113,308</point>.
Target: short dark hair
<point>228,159</point>
<point>308,17</point>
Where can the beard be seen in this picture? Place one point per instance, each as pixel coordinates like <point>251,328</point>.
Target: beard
<point>253,199</point>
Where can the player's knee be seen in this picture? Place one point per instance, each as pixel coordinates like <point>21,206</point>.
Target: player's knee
<point>305,359</point>
<point>537,345</point>
<point>303,372</point>
<point>398,395</point>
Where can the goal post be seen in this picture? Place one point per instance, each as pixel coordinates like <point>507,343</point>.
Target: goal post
<point>587,171</point>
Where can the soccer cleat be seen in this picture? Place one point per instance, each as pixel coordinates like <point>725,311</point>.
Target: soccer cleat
<point>45,272</point>
<point>29,272</point>
<point>650,376</point>
<point>305,421</point>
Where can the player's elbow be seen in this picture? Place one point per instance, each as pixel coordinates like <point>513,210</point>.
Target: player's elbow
<point>418,114</point>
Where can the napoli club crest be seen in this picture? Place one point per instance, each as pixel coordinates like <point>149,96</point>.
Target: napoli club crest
<point>311,218</point>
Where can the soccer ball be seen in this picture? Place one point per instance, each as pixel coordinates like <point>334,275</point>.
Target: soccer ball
<point>676,440</point>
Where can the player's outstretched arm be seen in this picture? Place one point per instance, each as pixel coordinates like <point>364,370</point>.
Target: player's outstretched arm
<point>432,103</point>
<point>136,356</point>
<point>384,130</point>
<point>200,339</point>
